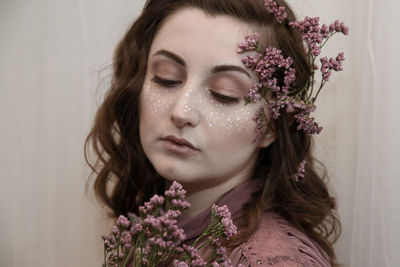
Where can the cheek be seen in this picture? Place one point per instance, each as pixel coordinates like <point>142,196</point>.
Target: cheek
<point>232,124</point>
<point>152,107</point>
<point>152,102</point>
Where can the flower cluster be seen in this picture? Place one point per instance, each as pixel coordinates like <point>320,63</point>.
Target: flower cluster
<point>301,171</point>
<point>220,252</point>
<point>276,73</point>
<point>278,94</point>
<point>222,215</point>
<point>176,197</point>
<point>153,237</point>
<point>250,44</point>
<point>195,259</point>
<point>327,65</point>
<point>279,12</point>
<point>260,119</point>
<point>221,226</point>
<point>316,36</point>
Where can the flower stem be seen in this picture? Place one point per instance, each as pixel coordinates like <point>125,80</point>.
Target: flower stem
<point>105,256</point>
<point>319,90</point>
<point>118,242</point>
<point>200,237</point>
<point>204,243</point>
<point>313,74</point>
<point>327,38</point>
<point>127,257</point>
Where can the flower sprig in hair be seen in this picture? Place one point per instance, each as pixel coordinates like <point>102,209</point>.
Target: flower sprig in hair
<point>276,74</point>
<point>273,8</point>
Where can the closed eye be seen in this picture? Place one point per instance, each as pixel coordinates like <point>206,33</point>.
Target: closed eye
<point>165,82</point>
<point>172,83</point>
<point>224,99</point>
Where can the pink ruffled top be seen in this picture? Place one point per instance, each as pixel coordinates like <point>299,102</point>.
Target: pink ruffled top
<point>275,242</point>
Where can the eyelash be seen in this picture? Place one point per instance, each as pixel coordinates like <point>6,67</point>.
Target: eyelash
<point>220,98</point>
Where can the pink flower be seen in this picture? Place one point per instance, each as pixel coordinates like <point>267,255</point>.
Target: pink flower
<point>126,237</point>
<point>230,228</point>
<point>155,235</point>
<point>259,117</point>
<point>311,33</point>
<point>307,124</point>
<point>180,204</point>
<point>123,222</point>
<point>300,171</point>
<point>221,253</point>
<point>251,61</point>
<point>272,8</point>
<point>176,197</point>
<point>136,228</point>
<point>156,202</point>
<point>339,27</point>
<point>115,230</point>
<point>277,75</point>
<point>175,191</point>
<point>266,67</point>
<point>154,222</point>
<point>250,44</point>
<point>194,255</point>
<point>180,264</point>
<point>109,242</point>
<point>224,215</point>
<point>327,65</point>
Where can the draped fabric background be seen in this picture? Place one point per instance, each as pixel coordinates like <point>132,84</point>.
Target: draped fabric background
<point>54,70</point>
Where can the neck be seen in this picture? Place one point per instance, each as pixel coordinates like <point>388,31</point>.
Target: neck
<point>203,198</point>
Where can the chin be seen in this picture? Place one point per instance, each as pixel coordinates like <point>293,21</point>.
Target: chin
<point>170,172</point>
<point>173,170</point>
<point>193,183</point>
<point>179,177</point>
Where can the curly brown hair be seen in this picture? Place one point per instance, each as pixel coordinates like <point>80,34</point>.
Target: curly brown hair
<point>125,178</point>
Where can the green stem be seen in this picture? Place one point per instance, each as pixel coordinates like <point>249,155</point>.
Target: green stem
<point>200,237</point>
<point>127,257</point>
<point>319,90</point>
<point>187,256</point>
<point>312,68</point>
<point>312,76</point>
<point>204,243</point>
<point>141,253</point>
<point>139,245</point>
<point>119,240</point>
<point>105,257</point>
<point>327,38</point>
<point>302,90</point>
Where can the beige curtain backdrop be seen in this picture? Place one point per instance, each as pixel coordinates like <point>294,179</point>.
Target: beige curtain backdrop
<point>54,70</point>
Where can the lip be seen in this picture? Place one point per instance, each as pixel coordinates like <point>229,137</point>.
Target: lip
<point>179,141</point>
<point>179,146</point>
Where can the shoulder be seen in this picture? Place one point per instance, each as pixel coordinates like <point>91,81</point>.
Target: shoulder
<point>277,243</point>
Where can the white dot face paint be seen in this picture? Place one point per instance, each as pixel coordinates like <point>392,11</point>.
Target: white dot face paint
<point>221,119</point>
<point>181,96</point>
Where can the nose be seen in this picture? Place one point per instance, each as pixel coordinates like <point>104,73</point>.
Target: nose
<point>185,109</point>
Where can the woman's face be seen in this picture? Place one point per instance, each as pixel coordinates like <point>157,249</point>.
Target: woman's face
<point>194,89</point>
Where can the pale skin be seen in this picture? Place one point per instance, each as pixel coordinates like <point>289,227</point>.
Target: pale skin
<point>196,54</point>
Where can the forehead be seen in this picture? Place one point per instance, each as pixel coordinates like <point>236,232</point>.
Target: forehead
<point>191,32</point>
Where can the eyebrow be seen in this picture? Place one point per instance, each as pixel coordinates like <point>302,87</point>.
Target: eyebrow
<point>215,69</point>
<point>172,56</point>
<point>223,68</point>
